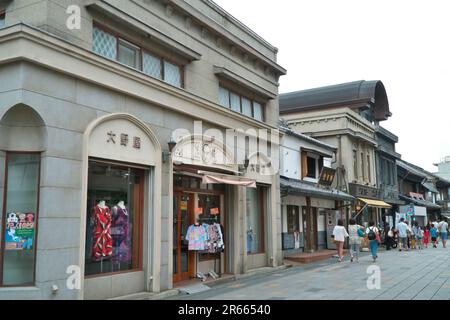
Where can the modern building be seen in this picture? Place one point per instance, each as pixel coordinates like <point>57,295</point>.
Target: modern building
<point>345,116</point>
<point>97,190</point>
<point>443,168</point>
<point>309,207</point>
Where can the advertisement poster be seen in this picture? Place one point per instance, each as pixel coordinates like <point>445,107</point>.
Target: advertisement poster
<point>19,231</point>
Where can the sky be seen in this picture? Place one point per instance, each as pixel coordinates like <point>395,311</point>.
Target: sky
<point>405,44</point>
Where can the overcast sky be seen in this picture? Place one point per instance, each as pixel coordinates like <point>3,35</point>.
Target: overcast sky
<point>405,44</point>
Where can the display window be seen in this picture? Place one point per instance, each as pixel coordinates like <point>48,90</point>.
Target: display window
<point>256,209</point>
<point>114,219</point>
<point>20,213</point>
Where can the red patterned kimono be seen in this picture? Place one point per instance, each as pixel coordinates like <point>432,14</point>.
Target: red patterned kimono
<point>102,242</point>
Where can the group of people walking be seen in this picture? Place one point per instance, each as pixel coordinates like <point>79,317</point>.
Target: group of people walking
<point>418,237</point>
<point>407,237</point>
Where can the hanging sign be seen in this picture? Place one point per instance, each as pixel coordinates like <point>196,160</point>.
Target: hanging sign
<point>214,211</point>
<point>20,228</point>
<point>183,205</point>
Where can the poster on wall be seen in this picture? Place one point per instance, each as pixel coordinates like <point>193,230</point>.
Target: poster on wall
<point>20,229</point>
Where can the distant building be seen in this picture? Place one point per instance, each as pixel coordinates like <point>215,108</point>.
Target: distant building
<point>347,116</point>
<point>444,168</point>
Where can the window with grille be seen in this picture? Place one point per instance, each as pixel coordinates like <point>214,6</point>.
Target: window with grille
<point>104,44</point>
<point>152,66</point>
<point>172,74</point>
<point>115,48</point>
<point>241,104</point>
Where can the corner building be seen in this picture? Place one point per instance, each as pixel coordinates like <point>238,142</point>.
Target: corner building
<point>89,182</point>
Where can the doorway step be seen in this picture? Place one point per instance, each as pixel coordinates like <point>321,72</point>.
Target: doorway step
<point>306,257</point>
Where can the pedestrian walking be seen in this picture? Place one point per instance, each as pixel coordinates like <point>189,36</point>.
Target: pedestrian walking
<point>434,235</point>
<point>419,237</point>
<point>426,236</point>
<point>355,232</point>
<point>416,234</point>
<point>390,239</point>
<point>436,225</point>
<point>373,235</point>
<point>443,231</point>
<point>339,235</point>
<point>402,229</point>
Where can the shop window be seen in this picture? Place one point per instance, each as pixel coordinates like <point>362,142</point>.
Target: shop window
<point>255,220</point>
<point>111,46</point>
<point>114,219</point>
<point>210,205</point>
<point>20,219</point>
<point>293,219</point>
<point>129,54</point>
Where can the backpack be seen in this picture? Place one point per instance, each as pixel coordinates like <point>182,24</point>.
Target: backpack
<point>371,235</point>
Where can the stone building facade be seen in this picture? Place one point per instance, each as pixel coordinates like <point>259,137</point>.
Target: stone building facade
<point>87,116</point>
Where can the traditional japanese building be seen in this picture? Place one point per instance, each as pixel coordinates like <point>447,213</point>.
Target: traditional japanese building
<point>346,116</point>
<point>310,206</point>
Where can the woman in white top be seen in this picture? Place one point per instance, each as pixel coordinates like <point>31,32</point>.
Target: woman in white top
<point>339,235</point>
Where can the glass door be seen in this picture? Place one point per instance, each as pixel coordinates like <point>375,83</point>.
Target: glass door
<point>181,222</point>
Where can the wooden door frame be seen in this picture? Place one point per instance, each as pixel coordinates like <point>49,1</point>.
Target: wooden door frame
<point>180,276</point>
<point>311,227</point>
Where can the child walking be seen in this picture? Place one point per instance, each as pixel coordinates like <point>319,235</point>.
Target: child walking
<point>426,236</point>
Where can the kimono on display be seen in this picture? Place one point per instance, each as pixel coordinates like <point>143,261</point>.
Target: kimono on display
<point>102,240</point>
<point>121,235</point>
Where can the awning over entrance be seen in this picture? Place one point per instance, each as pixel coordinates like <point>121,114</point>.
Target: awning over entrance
<point>217,178</point>
<point>424,203</point>
<point>303,188</point>
<point>376,203</point>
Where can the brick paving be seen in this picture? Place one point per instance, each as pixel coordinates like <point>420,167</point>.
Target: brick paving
<point>413,275</point>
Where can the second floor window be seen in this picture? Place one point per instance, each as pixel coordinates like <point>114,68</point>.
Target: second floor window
<point>115,48</point>
<point>241,104</point>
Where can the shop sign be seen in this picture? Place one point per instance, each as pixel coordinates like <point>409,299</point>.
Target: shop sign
<point>361,191</point>
<point>327,176</point>
<point>20,228</point>
<point>123,139</point>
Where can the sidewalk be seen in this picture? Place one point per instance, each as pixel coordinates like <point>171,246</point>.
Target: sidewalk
<point>196,284</point>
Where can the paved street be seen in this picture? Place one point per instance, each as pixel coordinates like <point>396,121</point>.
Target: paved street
<point>414,275</point>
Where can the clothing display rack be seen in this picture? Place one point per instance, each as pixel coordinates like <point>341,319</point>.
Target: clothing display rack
<point>217,255</point>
